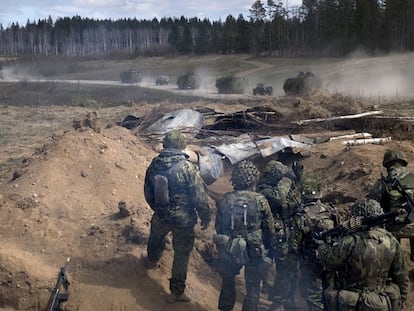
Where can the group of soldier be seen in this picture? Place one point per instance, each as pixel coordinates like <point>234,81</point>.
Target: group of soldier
<point>272,224</point>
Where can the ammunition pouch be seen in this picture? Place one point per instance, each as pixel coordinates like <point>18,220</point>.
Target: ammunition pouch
<point>221,241</point>
<point>372,301</point>
<point>341,300</point>
<point>346,300</point>
<point>238,251</point>
<point>255,247</point>
<point>394,294</point>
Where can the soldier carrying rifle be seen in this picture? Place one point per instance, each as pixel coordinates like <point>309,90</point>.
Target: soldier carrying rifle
<point>368,264</point>
<point>394,192</point>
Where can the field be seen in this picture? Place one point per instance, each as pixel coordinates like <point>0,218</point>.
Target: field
<point>60,187</point>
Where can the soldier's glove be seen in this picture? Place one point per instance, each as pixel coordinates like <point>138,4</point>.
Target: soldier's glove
<point>317,239</point>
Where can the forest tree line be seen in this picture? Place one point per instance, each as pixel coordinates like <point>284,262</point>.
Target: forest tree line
<point>317,28</point>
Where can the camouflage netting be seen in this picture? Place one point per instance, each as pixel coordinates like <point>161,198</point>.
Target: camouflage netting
<point>274,171</point>
<point>244,175</point>
<point>366,208</point>
<point>175,140</point>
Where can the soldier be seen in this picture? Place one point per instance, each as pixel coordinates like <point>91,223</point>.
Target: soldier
<point>395,191</point>
<point>311,217</point>
<point>369,265</point>
<point>280,191</point>
<point>245,229</point>
<point>176,192</point>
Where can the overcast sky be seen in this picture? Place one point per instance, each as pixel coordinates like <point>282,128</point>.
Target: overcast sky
<point>22,10</point>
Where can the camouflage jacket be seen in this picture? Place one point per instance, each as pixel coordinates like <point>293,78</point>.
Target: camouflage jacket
<point>392,199</point>
<point>258,216</point>
<point>282,197</point>
<point>283,202</point>
<point>312,217</point>
<point>366,260</point>
<point>185,186</point>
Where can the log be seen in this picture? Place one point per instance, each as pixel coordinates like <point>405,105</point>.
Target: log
<point>353,116</point>
<point>377,141</point>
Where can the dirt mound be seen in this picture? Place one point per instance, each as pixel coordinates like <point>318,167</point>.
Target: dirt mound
<point>63,202</point>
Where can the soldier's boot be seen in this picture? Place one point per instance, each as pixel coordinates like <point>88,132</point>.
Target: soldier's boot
<point>173,298</point>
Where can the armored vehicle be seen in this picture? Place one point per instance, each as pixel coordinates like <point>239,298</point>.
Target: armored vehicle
<point>263,89</point>
<point>162,80</point>
<point>131,76</point>
<point>303,84</point>
<point>231,85</point>
<point>188,81</point>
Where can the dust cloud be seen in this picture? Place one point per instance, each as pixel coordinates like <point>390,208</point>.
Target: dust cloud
<point>384,76</point>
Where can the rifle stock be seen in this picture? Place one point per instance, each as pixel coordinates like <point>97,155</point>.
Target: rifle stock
<point>58,297</point>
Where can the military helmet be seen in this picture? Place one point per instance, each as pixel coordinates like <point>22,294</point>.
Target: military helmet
<point>244,174</point>
<point>274,171</point>
<point>174,139</point>
<point>366,207</point>
<point>394,155</point>
<point>311,186</point>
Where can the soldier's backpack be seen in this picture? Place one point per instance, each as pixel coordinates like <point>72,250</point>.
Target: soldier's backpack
<point>162,188</point>
<point>242,218</point>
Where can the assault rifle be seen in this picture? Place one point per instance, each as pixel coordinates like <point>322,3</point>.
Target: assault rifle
<point>408,205</point>
<point>359,223</point>
<point>58,297</point>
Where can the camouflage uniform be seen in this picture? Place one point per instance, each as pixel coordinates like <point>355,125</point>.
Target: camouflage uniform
<point>280,191</point>
<point>392,199</point>
<point>370,269</point>
<point>187,197</point>
<point>243,238</point>
<point>312,217</point>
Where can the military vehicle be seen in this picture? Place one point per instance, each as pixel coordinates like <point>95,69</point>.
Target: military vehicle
<point>188,81</point>
<point>263,89</point>
<point>231,85</point>
<point>303,84</point>
<point>162,80</point>
<point>131,76</point>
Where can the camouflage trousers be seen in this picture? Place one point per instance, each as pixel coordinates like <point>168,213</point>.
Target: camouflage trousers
<point>311,287</point>
<point>228,270</point>
<point>284,287</point>
<point>182,242</point>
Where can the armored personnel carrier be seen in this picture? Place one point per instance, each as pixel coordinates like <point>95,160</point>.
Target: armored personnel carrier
<point>131,76</point>
<point>263,89</point>
<point>303,84</point>
<point>231,85</point>
<point>162,80</point>
<point>188,81</point>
